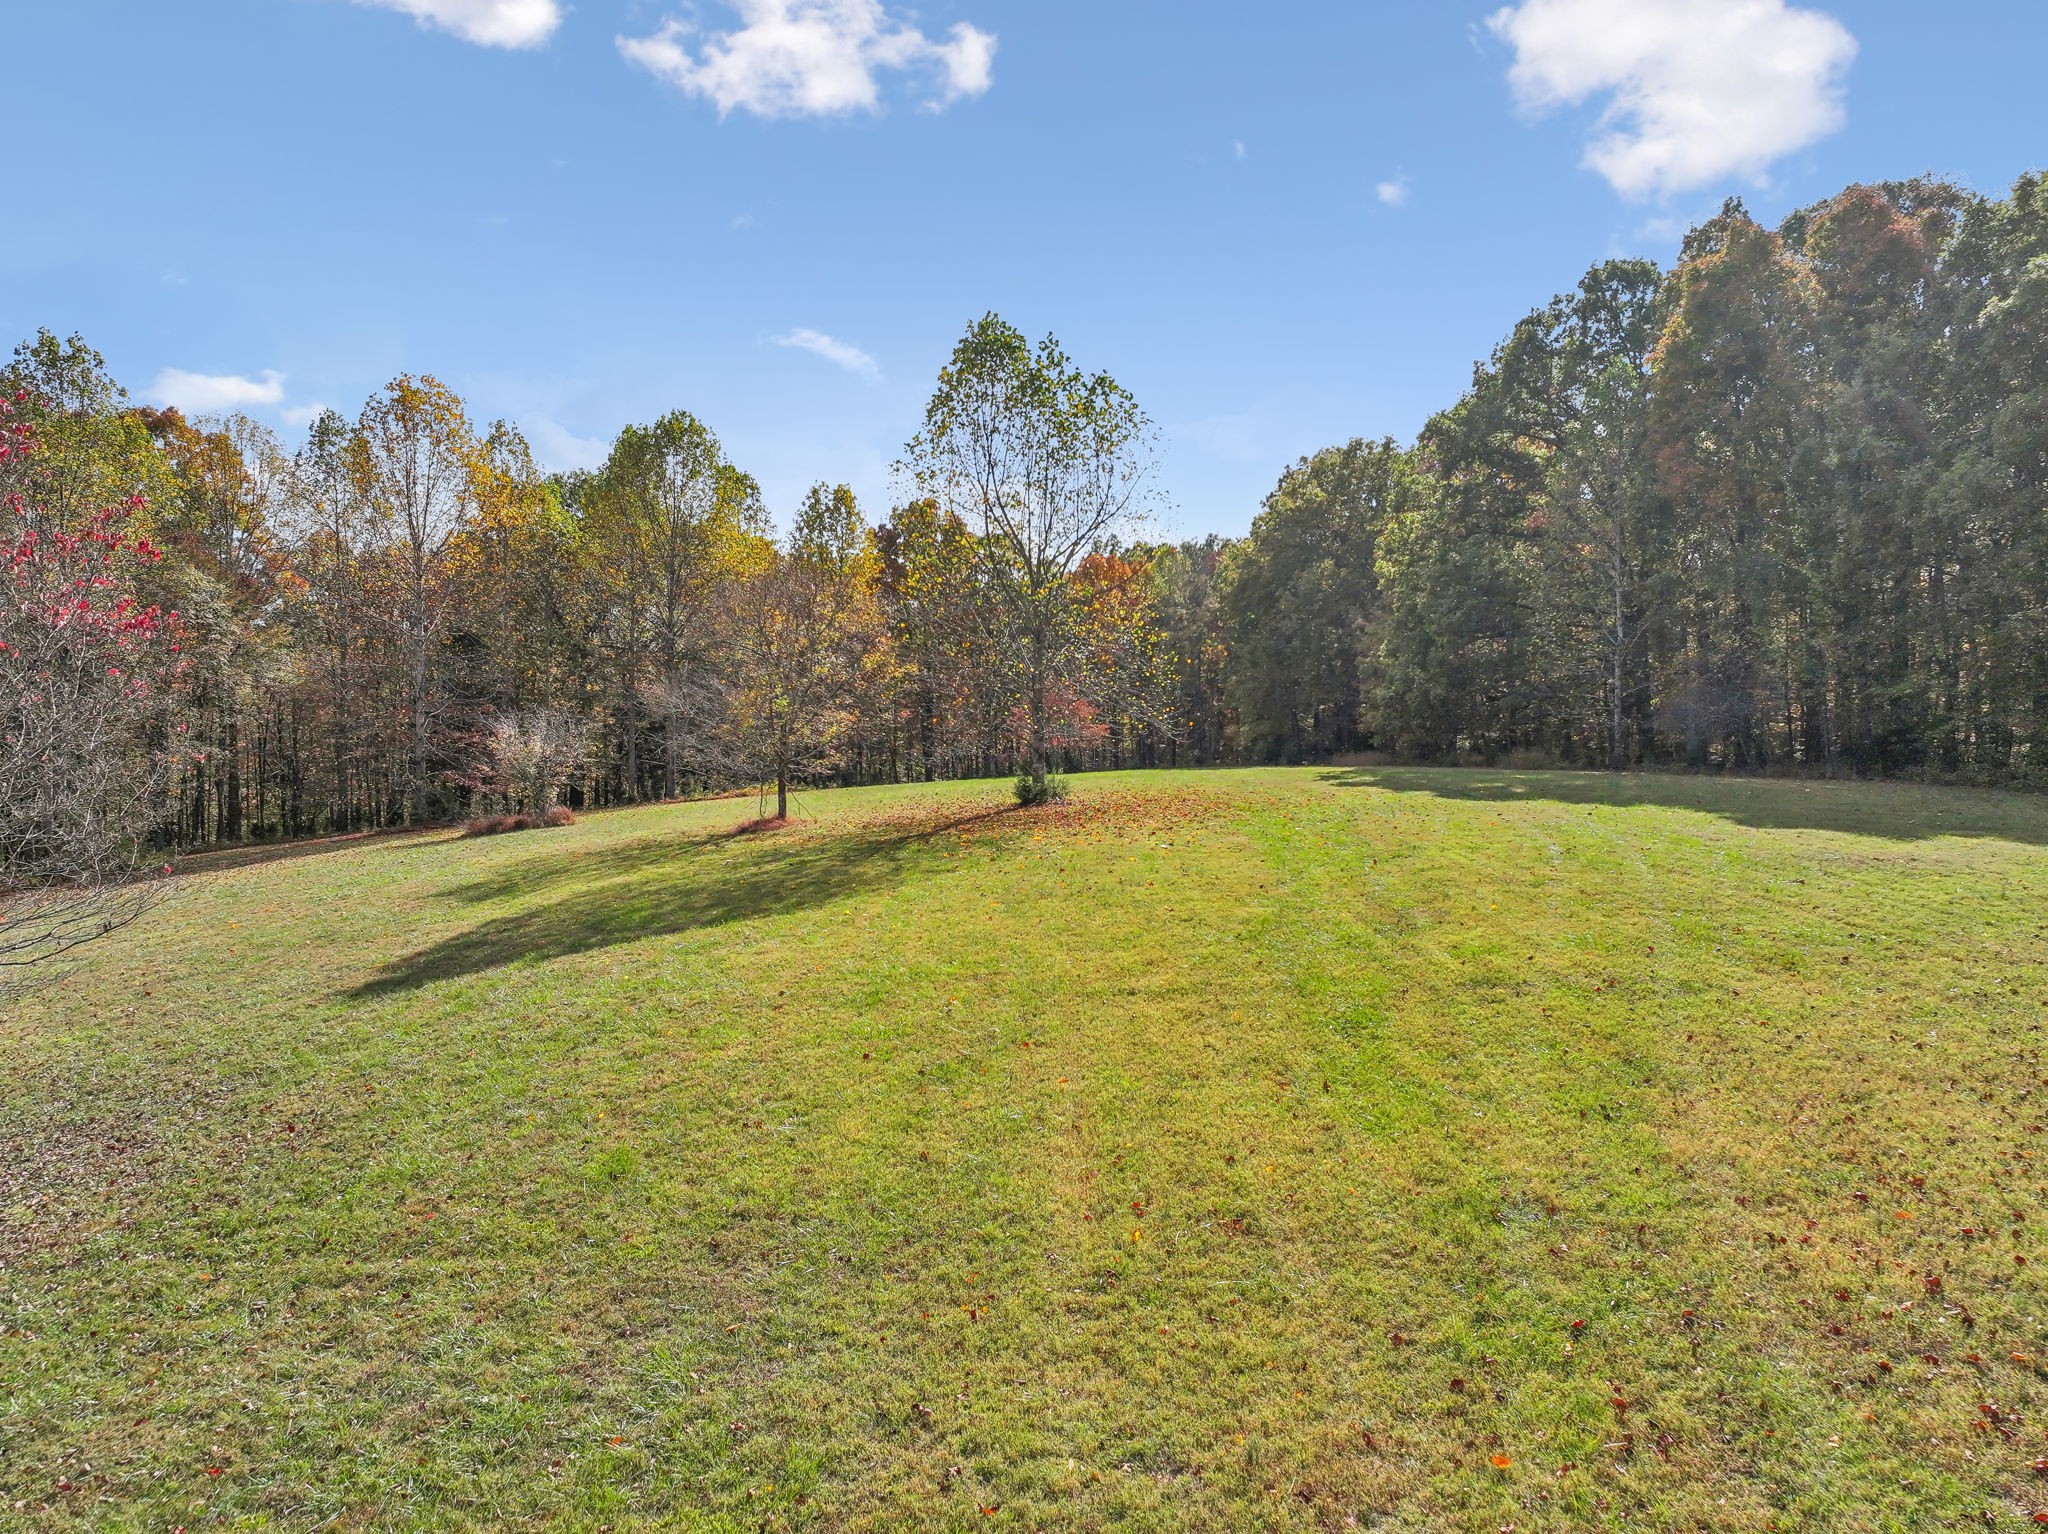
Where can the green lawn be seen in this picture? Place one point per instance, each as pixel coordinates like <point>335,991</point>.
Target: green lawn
<point>1290,1149</point>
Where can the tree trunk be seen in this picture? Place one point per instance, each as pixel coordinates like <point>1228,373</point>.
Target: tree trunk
<point>417,813</point>
<point>671,756</point>
<point>1616,752</point>
<point>231,799</point>
<point>1037,681</point>
<point>630,728</point>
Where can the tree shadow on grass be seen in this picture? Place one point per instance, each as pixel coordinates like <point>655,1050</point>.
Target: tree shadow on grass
<point>221,860</point>
<point>1888,811</point>
<point>582,901</point>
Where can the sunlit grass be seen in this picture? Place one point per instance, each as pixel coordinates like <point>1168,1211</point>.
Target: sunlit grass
<point>1252,1150</point>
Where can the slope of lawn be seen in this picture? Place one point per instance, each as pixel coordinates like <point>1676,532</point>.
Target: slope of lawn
<point>1307,1149</point>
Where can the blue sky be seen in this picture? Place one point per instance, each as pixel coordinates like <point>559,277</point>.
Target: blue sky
<point>1279,225</point>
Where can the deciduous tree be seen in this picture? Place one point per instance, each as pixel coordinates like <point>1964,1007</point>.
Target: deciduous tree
<point>85,672</point>
<point>1044,463</point>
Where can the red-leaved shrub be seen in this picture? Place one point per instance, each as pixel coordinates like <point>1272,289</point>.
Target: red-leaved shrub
<point>87,739</point>
<point>498,825</point>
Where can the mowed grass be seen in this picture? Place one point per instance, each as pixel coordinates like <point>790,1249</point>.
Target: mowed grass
<point>1394,1150</point>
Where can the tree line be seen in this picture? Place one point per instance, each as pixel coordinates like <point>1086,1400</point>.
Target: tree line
<point>404,620</point>
<point>1780,507</point>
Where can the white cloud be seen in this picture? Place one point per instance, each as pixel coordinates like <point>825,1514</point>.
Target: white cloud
<point>1238,152</point>
<point>812,58</point>
<point>1698,89</point>
<point>1392,193</point>
<point>1666,231</point>
<point>557,448</point>
<point>299,417</point>
<point>838,353</point>
<point>489,23</point>
<point>201,394</point>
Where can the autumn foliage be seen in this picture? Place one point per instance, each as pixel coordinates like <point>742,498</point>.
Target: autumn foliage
<point>87,667</point>
<point>498,825</point>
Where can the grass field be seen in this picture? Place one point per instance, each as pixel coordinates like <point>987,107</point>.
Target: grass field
<point>1395,1150</point>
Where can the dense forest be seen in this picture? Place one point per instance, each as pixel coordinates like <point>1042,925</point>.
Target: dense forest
<point>1781,508</point>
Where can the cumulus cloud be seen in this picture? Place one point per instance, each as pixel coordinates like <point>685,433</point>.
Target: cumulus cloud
<point>489,23</point>
<point>812,58</point>
<point>202,393</point>
<point>840,354</point>
<point>556,447</point>
<point>1392,193</point>
<point>1697,90</point>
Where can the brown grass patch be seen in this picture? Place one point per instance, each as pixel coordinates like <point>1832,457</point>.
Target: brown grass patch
<point>60,1180</point>
<point>1143,813</point>
<point>761,825</point>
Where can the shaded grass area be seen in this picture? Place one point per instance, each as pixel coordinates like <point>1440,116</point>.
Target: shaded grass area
<point>1396,1150</point>
<point>1888,811</point>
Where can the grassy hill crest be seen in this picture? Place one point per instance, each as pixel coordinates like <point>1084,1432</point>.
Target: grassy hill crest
<point>1282,1149</point>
